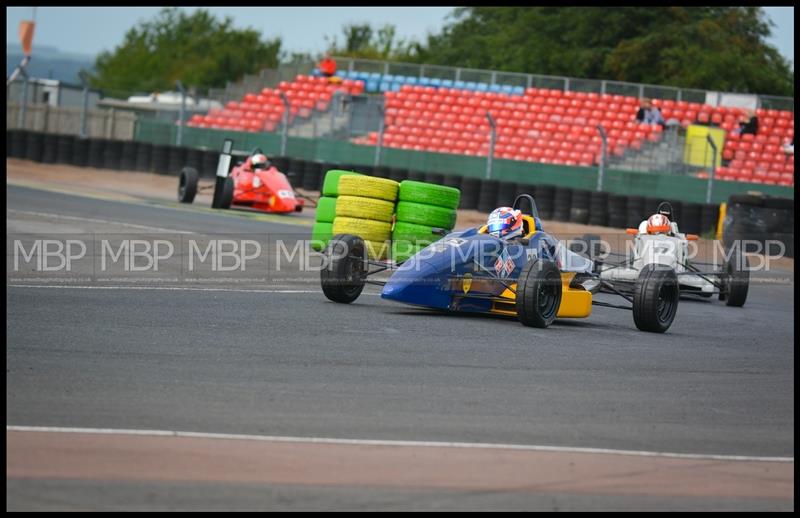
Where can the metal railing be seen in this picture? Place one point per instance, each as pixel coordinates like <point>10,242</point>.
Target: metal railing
<point>490,77</point>
<point>93,123</point>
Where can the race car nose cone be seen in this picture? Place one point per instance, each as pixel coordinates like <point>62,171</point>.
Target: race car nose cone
<point>419,285</point>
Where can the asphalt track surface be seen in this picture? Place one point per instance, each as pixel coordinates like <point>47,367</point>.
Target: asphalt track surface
<point>278,359</point>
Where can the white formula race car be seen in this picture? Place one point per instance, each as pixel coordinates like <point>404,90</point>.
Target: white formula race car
<point>658,241</point>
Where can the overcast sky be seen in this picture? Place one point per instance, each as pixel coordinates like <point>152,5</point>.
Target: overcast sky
<point>89,30</point>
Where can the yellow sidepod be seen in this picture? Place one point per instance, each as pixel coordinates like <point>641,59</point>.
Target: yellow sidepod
<point>575,303</point>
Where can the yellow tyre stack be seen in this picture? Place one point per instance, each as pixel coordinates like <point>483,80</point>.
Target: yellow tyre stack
<point>322,231</point>
<point>365,208</point>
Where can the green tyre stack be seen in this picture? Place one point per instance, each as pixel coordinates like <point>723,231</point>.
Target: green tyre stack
<point>322,231</point>
<point>421,208</point>
<point>365,207</point>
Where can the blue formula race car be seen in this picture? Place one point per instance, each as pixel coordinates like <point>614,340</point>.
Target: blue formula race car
<point>533,277</point>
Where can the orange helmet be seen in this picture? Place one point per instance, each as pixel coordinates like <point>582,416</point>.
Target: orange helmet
<point>658,223</point>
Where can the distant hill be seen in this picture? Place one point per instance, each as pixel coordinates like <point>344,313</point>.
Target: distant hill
<point>49,62</point>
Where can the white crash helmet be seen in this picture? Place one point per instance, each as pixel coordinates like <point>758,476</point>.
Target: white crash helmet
<point>259,161</point>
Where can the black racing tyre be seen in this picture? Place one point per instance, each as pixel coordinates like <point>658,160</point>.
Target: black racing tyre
<point>562,200</point>
<point>19,140</point>
<point>129,151</point>
<point>690,222</point>
<point>80,154</point>
<point>296,170</point>
<point>506,194</point>
<point>97,148</point>
<point>452,180</point>
<point>488,193</point>
<point>417,176</point>
<point>398,174</point>
<point>144,153</point>
<point>753,200</point>
<point>187,185</point>
<point>736,281</point>
<point>34,144</point>
<point>779,203</point>
<point>112,154</point>
<point>470,193</point>
<point>381,171</point>
<point>223,193</point>
<point>342,278</point>
<point>49,148</point>
<point>176,159</point>
<point>538,293</point>
<point>66,149</point>
<point>226,198</point>
<point>312,176</point>
<point>579,215</point>
<point>159,159</point>
<point>194,158</point>
<point>655,298</point>
<point>434,178</point>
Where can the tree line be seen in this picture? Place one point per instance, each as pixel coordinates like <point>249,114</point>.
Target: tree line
<point>711,48</point>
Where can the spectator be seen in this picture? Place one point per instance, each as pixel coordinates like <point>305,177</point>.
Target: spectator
<point>327,66</point>
<point>788,148</point>
<point>747,124</point>
<point>649,114</point>
<point>644,106</point>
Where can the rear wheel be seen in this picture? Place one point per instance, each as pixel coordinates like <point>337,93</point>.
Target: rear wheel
<point>655,298</point>
<point>342,278</point>
<point>187,188</point>
<point>736,280</point>
<point>226,197</point>
<point>538,294</point>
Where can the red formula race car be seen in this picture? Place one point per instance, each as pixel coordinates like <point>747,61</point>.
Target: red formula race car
<point>254,182</point>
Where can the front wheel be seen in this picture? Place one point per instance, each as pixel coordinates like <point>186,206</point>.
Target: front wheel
<point>655,298</point>
<point>736,279</point>
<point>538,293</point>
<point>342,278</point>
<point>223,193</point>
<point>187,188</point>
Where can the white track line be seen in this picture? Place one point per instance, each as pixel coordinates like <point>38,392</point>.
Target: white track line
<point>168,288</point>
<point>370,442</point>
<point>103,221</point>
